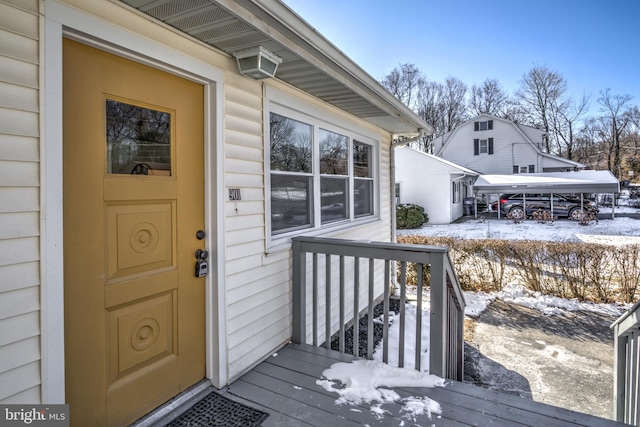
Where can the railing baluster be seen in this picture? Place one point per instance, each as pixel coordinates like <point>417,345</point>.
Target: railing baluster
<point>403,299</point>
<point>370,311</point>
<point>418,355</point>
<point>314,285</point>
<point>327,308</point>
<point>385,326</point>
<point>356,306</point>
<point>341,340</point>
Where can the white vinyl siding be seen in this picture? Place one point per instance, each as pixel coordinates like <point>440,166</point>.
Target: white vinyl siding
<point>19,209</point>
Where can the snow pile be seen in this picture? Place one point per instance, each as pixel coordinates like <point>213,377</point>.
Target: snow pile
<point>370,381</point>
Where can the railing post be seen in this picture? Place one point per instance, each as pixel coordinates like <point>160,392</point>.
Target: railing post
<point>299,294</point>
<point>619,371</point>
<point>437,333</point>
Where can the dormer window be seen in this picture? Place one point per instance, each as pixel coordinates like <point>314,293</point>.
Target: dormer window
<point>485,125</point>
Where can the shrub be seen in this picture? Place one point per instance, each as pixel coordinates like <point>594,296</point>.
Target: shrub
<point>585,271</point>
<point>409,215</point>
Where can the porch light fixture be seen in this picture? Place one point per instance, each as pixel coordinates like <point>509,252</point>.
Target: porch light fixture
<point>257,62</point>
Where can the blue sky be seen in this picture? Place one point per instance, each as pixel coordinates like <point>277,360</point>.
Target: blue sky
<point>594,44</point>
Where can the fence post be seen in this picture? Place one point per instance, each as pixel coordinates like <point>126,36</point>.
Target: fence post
<point>299,294</point>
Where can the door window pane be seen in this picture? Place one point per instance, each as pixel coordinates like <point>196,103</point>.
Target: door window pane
<point>138,140</point>
<point>333,196</point>
<point>290,202</point>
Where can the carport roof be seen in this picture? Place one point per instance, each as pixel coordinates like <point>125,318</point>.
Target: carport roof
<point>588,181</point>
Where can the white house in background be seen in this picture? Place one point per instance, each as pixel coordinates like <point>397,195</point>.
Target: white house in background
<point>128,141</point>
<point>491,145</point>
<point>436,184</point>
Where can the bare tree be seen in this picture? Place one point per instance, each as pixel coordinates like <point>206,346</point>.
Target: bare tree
<point>404,83</point>
<point>617,114</point>
<point>488,98</point>
<point>428,108</point>
<point>565,123</point>
<point>454,103</point>
<point>541,95</point>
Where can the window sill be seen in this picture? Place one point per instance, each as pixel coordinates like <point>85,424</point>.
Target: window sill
<point>283,242</point>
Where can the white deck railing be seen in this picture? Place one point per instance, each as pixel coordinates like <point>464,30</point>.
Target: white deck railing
<point>338,281</point>
<point>626,380</point>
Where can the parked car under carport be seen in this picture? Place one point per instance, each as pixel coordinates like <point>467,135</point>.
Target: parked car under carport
<point>515,205</point>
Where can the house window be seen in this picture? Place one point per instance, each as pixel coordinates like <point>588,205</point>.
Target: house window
<point>485,125</point>
<point>524,169</point>
<point>398,190</point>
<point>319,176</point>
<point>482,146</point>
<point>456,192</point>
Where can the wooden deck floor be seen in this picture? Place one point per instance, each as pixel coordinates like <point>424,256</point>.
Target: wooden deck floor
<point>285,387</point>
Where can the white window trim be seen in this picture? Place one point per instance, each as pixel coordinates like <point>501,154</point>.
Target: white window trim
<point>295,108</point>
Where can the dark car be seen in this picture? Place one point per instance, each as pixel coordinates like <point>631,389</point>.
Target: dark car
<point>563,205</point>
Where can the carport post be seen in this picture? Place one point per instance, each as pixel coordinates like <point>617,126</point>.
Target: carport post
<point>613,205</point>
<point>475,208</point>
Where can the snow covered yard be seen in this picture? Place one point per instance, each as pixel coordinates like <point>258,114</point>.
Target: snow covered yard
<point>618,231</point>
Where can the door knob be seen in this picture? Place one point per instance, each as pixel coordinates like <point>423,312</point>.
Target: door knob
<point>200,234</point>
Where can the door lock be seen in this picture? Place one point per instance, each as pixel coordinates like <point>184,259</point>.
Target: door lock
<point>202,265</point>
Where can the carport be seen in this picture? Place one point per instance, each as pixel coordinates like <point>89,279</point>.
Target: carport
<point>575,182</point>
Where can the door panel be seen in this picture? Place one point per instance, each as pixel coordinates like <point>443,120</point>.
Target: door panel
<point>133,201</point>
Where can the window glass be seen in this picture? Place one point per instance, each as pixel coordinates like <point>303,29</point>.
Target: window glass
<point>333,199</point>
<point>363,197</point>
<point>362,160</point>
<point>483,146</point>
<point>291,204</point>
<point>333,153</point>
<point>138,140</point>
<point>291,144</point>
<point>483,125</point>
<point>363,179</point>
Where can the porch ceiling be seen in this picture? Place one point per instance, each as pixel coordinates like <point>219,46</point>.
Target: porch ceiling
<point>309,61</point>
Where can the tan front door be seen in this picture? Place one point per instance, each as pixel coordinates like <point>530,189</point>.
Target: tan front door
<point>133,202</point>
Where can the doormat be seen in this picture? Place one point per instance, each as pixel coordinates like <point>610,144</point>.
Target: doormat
<point>217,411</point>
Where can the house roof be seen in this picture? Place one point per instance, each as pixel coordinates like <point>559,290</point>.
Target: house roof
<point>309,61</point>
<point>589,181</point>
<point>431,157</point>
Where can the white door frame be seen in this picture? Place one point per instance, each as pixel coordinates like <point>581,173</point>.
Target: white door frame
<point>62,21</point>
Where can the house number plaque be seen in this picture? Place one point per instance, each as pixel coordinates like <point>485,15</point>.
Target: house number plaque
<point>234,194</point>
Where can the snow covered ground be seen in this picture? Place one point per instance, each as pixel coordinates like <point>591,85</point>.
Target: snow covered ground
<point>617,231</point>
<point>372,381</point>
